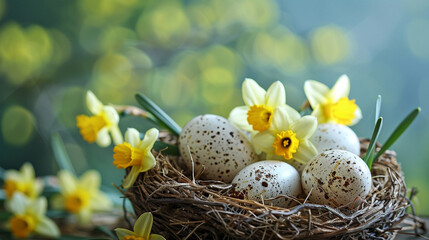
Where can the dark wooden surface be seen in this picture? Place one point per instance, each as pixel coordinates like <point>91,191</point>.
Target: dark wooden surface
<point>408,237</point>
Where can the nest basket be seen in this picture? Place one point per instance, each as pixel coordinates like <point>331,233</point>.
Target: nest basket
<point>185,207</point>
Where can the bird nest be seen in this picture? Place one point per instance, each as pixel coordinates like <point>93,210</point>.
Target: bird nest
<point>185,207</point>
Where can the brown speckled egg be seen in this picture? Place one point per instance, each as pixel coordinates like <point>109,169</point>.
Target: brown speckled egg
<point>216,144</point>
<point>266,180</point>
<point>336,178</point>
<point>329,136</point>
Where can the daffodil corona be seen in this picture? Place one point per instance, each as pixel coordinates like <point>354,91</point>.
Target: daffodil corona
<point>142,229</point>
<point>81,196</point>
<point>29,217</point>
<point>288,137</point>
<point>332,105</point>
<point>135,153</point>
<point>23,181</point>
<point>257,115</point>
<point>96,128</point>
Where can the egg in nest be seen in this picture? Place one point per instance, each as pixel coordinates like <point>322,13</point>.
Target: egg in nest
<point>329,136</point>
<point>216,144</point>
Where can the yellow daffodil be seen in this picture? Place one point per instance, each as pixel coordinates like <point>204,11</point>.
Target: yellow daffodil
<point>288,137</point>
<point>81,196</point>
<point>22,181</point>
<point>96,128</point>
<point>142,229</point>
<point>257,114</point>
<point>29,217</point>
<point>135,153</point>
<point>332,105</point>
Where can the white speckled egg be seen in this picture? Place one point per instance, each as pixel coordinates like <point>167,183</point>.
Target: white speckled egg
<point>336,178</point>
<point>216,144</point>
<point>329,136</point>
<point>265,180</point>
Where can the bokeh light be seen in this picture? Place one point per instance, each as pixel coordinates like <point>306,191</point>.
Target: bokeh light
<point>330,45</point>
<point>418,37</point>
<point>17,125</point>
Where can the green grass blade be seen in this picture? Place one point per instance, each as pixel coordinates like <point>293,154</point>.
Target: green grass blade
<point>168,149</point>
<point>377,108</point>
<point>368,156</point>
<point>105,231</point>
<point>398,131</point>
<point>162,117</point>
<point>60,153</point>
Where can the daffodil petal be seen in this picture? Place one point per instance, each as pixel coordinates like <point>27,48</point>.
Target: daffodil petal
<point>111,114</point>
<point>264,141</point>
<point>358,116</point>
<point>39,206</point>
<point>67,181</point>
<point>122,232</point>
<point>90,180</point>
<point>103,138</point>
<point>283,117</point>
<point>148,162</point>
<point>116,134</point>
<point>143,225</point>
<point>132,136</point>
<point>273,156</point>
<point>316,92</point>
<point>101,202</point>
<point>27,171</point>
<point>46,227</point>
<point>276,95</point>
<point>84,216</point>
<point>318,113</point>
<point>94,105</point>
<point>12,175</point>
<point>253,94</point>
<point>305,152</point>
<point>38,188</point>
<point>238,117</point>
<point>156,237</point>
<point>18,203</point>
<point>340,89</point>
<point>304,127</point>
<point>131,177</point>
<point>149,139</point>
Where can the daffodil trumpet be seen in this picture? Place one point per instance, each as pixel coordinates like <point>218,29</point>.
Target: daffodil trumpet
<point>332,105</point>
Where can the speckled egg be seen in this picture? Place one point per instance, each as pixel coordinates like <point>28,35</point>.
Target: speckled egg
<point>216,144</point>
<point>329,136</point>
<point>336,178</point>
<point>266,180</point>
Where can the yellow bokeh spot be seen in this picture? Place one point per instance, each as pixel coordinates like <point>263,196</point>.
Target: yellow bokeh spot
<point>330,45</point>
<point>105,12</point>
<point>217,82</point>
<point>17,125</point>
<point>165,25</point>
<point>418,37</point>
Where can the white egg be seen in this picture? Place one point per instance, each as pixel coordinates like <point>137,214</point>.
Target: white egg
<point>329,136</point>
<point>336,178</point>
<point>266,180</point>
<point>216,144</point>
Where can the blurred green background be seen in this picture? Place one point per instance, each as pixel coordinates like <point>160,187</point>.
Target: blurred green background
<point>191,56</point>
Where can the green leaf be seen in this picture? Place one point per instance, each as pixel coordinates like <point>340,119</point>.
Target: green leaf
<point>398,131</point>
<point>163,119</point>
<point>368,156</point>
<point>168,149</point>
<point>60,153</point>
<point>377,108</point>
<point>106,231</point>
<point>2,172</point>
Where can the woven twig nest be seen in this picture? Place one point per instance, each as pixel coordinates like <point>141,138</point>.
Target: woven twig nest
<point>187,208</point>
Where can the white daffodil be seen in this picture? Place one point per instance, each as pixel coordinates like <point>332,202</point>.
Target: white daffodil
<point>288,137</point>
<point>135,153</point>
<point>332,105</point>
<point>96,128</point>
<point>23,181</point>
<point>29,217</point>
<point>257,114</point>
<point>81,196</point>
<point>142,229</point>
